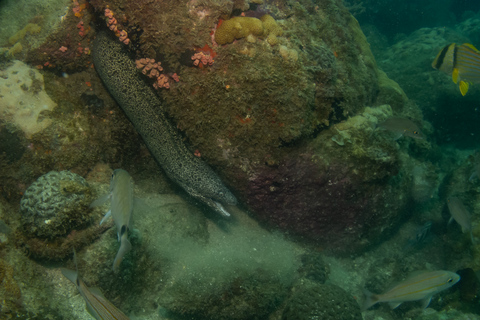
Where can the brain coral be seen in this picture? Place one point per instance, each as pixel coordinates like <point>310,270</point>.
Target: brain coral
<point>55,204</point>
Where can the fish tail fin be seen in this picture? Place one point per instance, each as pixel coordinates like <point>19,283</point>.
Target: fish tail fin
<point>463,86</point>
<point>125,247</point>
<point>369,300</point>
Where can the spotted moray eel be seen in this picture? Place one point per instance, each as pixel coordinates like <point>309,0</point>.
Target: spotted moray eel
<point>144,109</point>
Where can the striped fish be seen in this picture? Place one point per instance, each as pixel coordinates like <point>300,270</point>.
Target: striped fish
<point>420,285</point>
<point>462,62</point>
<point>402,127</point>
<point>97,305</point>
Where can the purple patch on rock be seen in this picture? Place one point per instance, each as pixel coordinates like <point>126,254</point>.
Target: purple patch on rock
<point>332,206</point>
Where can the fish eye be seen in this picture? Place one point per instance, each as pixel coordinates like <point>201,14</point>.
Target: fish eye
<point>415,132</point>
<point>450,280</point>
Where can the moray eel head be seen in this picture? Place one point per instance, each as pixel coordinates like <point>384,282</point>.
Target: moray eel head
<point>216,198</point>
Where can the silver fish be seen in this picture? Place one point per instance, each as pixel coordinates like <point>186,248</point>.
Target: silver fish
<point>420,285</point>
<point>402,127</point>
<point>460,214</point>
<point>97,305</point>
<point>121,208</point>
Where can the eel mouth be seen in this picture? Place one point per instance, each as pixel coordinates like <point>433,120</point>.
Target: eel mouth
<point>219,207</point>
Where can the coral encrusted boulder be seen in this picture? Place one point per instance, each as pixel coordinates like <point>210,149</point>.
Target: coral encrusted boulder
<point>272,114</point>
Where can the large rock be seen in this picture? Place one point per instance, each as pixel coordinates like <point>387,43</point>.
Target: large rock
<point>267,114</point>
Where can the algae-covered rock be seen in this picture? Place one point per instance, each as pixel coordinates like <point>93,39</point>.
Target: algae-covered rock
<point>335,192</point>
<point>321,301</point>
<point>314,268</point>
<point>267,114</point>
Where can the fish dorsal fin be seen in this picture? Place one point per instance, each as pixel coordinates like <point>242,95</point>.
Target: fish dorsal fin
<point>463,87</point>
<point>455,75</point>
<point>471,46</point>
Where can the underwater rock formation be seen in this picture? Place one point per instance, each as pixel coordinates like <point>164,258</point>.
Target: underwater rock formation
<point>23,98</point>
<point>314,268</point>
<point>264,113</point>
<point>56,216</point>
<point>321,301</point>
<point>336,191</point>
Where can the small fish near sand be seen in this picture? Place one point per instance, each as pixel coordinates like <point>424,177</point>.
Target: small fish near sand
<point>402,127</point>
<point>460,61</point>
<point>97,305</point>
<point>121,208</point>
<point>420,285</point>
<point>460,214</point>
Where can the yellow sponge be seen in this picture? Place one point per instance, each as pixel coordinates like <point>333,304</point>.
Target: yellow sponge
<point>237,28</point>
<point>241,27</point>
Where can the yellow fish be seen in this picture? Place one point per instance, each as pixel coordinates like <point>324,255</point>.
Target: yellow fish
<point>462,62</point>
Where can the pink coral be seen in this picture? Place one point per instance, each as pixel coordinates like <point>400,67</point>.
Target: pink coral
<point>162,82</point>
<point>200,57</point>
<point>112,24</point>
<point>152,69</point>
<point>124,37</point>
<point>108,13</point>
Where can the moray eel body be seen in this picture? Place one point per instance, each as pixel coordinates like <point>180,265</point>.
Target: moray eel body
<point>143,108</point>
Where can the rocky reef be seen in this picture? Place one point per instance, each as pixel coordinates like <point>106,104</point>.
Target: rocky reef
<point>287,116</point>
<point>263,112</point>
